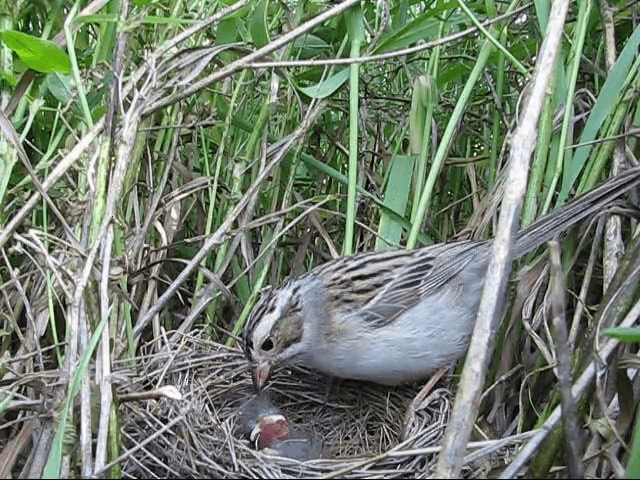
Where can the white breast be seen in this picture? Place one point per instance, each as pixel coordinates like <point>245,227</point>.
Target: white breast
<point>429,336</point>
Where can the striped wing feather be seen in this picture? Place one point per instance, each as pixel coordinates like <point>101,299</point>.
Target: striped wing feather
<point>385,284</point>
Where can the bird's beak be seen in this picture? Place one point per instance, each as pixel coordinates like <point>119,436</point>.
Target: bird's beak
<point>261,375</point>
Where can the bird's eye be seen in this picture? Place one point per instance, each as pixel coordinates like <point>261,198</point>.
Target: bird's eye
<point>267,345</point>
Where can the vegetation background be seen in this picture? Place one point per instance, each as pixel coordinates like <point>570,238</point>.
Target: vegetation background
<point>163,161</point>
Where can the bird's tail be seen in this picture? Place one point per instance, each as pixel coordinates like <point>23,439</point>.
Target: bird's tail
<point>592,202</point>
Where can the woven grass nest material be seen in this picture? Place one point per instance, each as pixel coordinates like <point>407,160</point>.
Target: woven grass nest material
<point>198,436</point>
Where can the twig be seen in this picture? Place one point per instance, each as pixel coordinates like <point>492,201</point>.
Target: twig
<point>387,55</point>
<point>58,171</point>
<point>572,434</point>
<point>492,302</point>
<point>83,144</point>
<point>484,447</point>
<point>578,389</point>
<point>14,446</point>
<point>103,360</point>
<point>613,245</point>
<point>585,284</point>
<point>247,59</point>
<point>223,230</point>
<point>99,472</point>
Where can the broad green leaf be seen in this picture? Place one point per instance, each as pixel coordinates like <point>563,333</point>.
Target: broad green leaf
<point>396,196</point>
<point>326,87</point>
<point>423,28</point>
<point>36,53</point>
<point>310,41</point>
<point>227,31</point>
<point>157,20</point>
<point>96,18</point>
<point>258,24</point>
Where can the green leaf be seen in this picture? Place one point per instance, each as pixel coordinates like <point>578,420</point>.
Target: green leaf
<point>542,13</point>
<point>395,199</point>
<point>7,77</point>
<point>424,27</point>
<point>605,104</point>
<point>36,53</point>
<point>626,334</point>
<point>325,88</point>
<point>227,31</point>
<point>5,400</point>
<point>96,18</point>
<point>311,45</point>
<point>424,94</point>
<point>452,74</point>
<point>355,24</point>
<point>59,87</point>
<point>258,24</point>
<point>633,465</point>
<point>411,33</point>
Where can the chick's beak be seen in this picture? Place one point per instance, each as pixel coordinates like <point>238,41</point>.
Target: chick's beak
<point>261,375</point>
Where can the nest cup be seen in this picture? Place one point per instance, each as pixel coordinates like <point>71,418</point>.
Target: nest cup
<point>360,424</point>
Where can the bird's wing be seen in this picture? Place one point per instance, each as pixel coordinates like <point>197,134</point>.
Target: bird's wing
<point>430,269</point>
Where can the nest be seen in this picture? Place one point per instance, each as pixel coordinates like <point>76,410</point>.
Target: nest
<point>198,435</point>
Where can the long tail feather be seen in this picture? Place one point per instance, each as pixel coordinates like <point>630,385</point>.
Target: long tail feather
<point>592,202</point>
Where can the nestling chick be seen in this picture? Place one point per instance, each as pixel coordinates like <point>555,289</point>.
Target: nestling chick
<point>266,426</point>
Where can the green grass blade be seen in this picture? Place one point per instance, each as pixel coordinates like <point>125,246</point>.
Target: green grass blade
<point>605,104</point>
<point>395,198</point>
<point>355,22</point>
